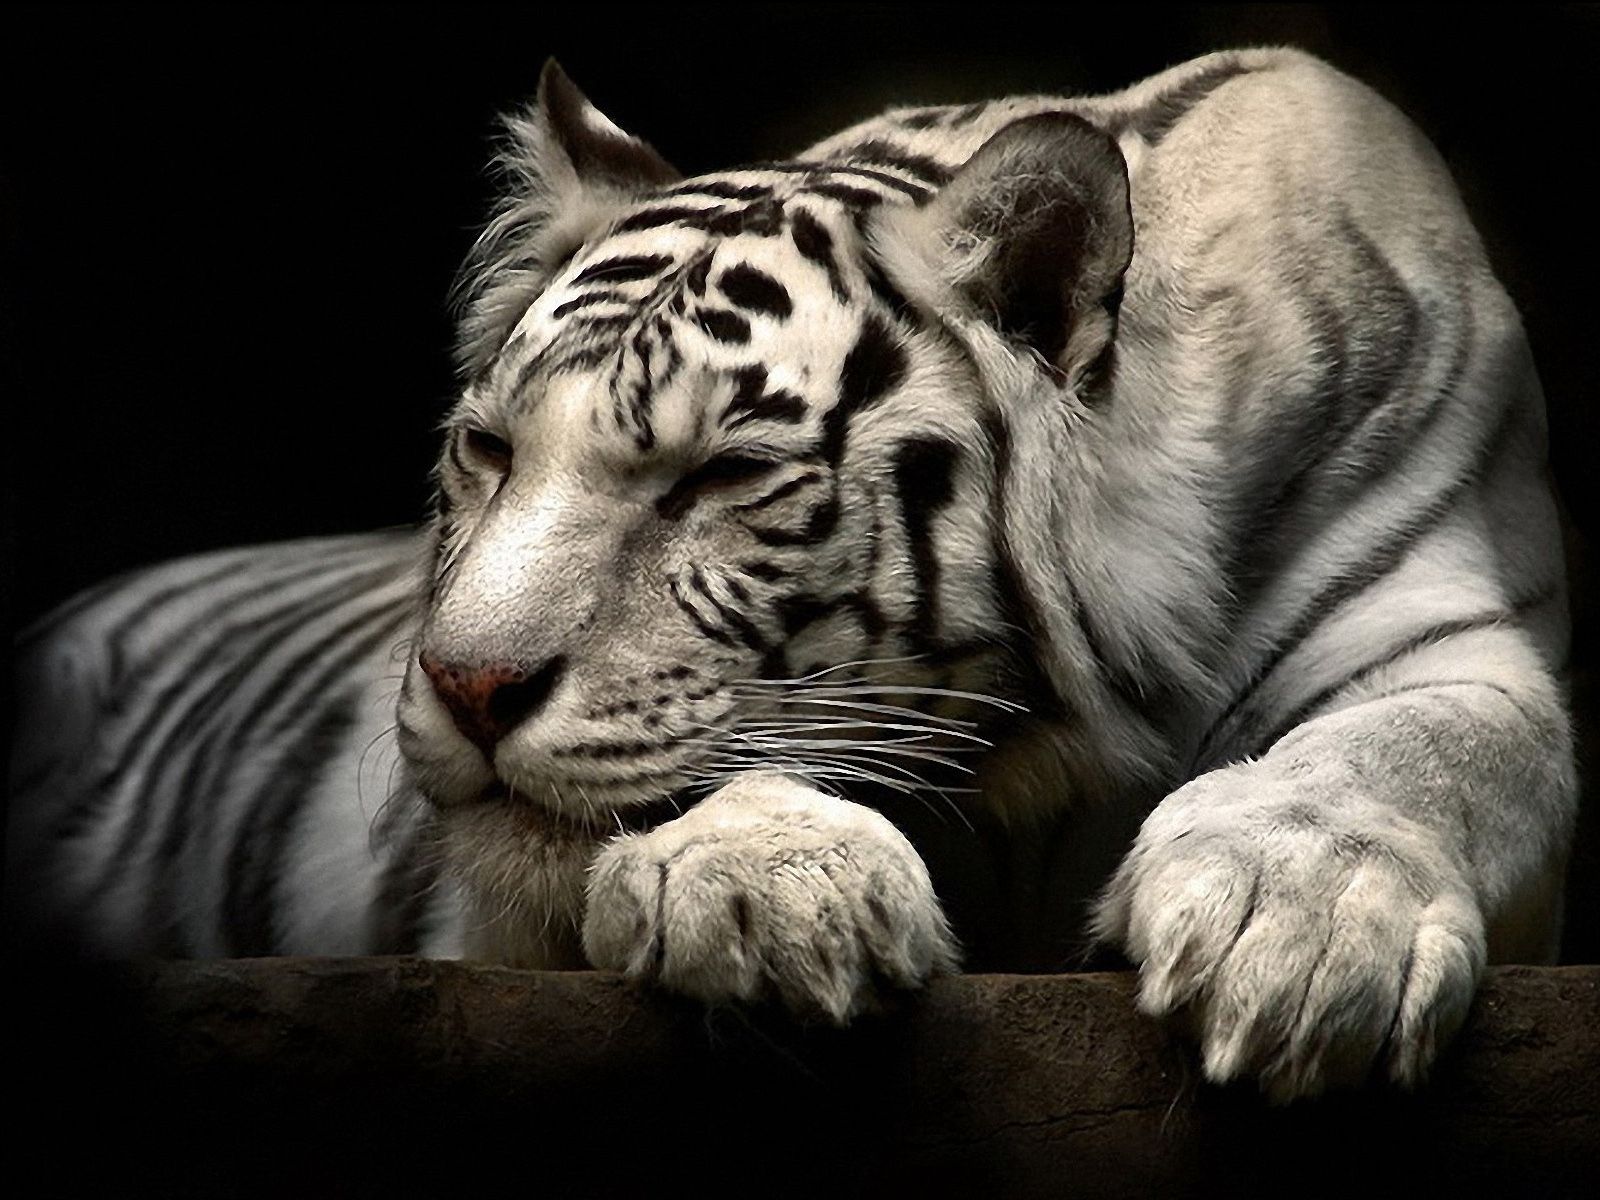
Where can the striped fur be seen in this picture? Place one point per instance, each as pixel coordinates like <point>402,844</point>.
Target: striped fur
<point>1176,449</point>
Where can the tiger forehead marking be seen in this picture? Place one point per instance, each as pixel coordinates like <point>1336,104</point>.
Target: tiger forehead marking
<point>677,400</point>
<point>707,321</point>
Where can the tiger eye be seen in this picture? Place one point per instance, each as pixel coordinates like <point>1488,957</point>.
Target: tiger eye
<point>724,472</point>
<point>489,449</point>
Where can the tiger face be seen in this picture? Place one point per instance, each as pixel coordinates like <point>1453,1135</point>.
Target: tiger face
<point>698,463</point>
<point>718,496</point>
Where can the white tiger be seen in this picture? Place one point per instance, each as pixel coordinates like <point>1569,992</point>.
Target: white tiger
<point>1163,468</point>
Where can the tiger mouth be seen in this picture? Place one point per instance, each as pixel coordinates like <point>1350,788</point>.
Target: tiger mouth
<point>636,817</point>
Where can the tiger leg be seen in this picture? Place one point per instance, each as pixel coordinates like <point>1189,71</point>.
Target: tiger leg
<point>1326,910</point>
<point>769,887</point>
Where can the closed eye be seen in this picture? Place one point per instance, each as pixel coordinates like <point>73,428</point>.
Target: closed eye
<point>726,472</point>
<point>488,449</point>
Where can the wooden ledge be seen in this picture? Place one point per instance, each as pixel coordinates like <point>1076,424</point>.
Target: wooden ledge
<point>387,1077</point>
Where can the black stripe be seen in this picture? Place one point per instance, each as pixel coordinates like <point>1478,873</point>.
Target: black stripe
<point>637,397</point>
<point>598,325</point>
<point>694,275</point>
<point>821,521</point>
<point>824,518</point>
<point>723,325</point>
<point>753,402</point>
<point>748,384</point>
<point>116,638</point>
<point>755,291</point>
<point>721,189</point>
<point>1369,357</point>
<point>700,623</point>
<point>922,118</point>
<point>879,151</point>
<point>528,371</point>
<point>195,789</point>
<point>166,870</point>
<point>915,190</point>
<point>1157,119</point>
<point>764,217</point>
<point>769,572</point>
<point>667,214</point>
<point>205,773</point>
<point>815,243</point>
<point>403,891</point>
<point>855,197</point>
<point>818,173</point>
<point>887,294</point>
<point>52,621</point>
<point>672,357</point>
<point>785,408</point>
<point>1018,611</point>
<point>583,301</point>
<point>247,922</point>
<point>924,479</point>
<point>875,366</point>
<point>622,269</point>
<point>798,612</point>
<point>579,358</point>
<point>740,624</point>
<point>1428,637</point>
<point>155,709</point>
<point>255,860</point>
<point>1344,586</point>
<point>867,613</point>
<point>778,493</point>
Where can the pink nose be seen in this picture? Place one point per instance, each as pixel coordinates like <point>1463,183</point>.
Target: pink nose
<point>487,702</point>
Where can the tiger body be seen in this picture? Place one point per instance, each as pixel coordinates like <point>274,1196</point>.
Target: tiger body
<point>1176,451</point>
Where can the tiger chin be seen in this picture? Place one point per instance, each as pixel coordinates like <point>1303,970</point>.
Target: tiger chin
<point>1003,531</point>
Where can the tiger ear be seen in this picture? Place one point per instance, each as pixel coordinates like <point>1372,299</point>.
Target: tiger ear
<point>598,153</point>
<point>567,171</point>
<point>1032,235</point>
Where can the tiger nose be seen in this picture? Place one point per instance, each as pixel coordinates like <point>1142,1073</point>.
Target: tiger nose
<point>489,701</point>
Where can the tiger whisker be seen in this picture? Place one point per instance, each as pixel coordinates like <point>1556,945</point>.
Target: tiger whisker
<point>922,742</point>
<point>903,689</point>
<point>748,694</point>
<point>889,710</point>
<point>907,734</point>
<point>921,784</point>
<point>836,745</point>
<point>361,762</point>
<point>844,666</point>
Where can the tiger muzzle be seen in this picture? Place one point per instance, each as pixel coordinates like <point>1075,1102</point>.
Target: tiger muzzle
<point>487,701</point>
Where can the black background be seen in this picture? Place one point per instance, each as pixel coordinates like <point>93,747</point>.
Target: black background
<point>229,232</point>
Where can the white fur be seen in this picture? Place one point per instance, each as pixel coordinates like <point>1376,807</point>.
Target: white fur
<point>772,889</point>
<point>1329,906</point>
<point>1344,815</point>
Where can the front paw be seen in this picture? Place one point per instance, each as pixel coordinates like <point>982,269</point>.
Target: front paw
<point>1311,935</point>
<point>769,887</point>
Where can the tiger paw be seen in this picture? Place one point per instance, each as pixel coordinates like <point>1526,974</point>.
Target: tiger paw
<point>1309,938</point>
<point>769,888</point>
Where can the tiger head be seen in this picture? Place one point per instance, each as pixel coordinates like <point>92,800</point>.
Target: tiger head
<point>728,454</point>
